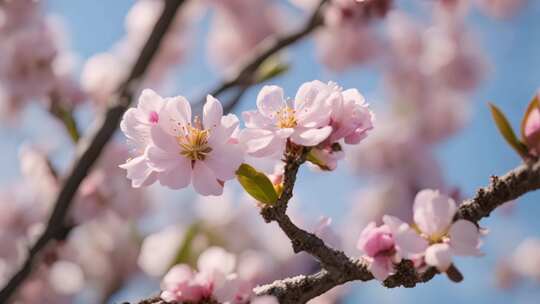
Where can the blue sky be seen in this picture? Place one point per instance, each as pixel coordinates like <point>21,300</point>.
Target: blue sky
<point>469,158</point>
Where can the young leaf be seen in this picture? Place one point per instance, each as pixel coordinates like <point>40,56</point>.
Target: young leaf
<point>533,105</point>
<point>314,160</point>
<point>506,131</point>
<point>271,68</point>
<point>256,184</point>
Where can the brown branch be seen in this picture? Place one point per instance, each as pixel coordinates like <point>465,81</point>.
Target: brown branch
<point>93,149</point>
<point>512,185</point>
<point>500,190</point>
<point>269,47</point>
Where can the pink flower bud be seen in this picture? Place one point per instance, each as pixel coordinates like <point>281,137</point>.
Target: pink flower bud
<point>531,130</point>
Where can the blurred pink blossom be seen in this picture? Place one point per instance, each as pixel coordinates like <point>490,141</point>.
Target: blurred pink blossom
<point>238,26</point>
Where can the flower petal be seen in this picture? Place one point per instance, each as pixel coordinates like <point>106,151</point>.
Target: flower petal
<point>222,134</point>
<point>212,113</point>
<point>409,244</point>
<point>440,256</point>
<point>178,177</point>
<point>216,259</point>
<point>139,172</point>
<point>270,100</point>
<point>381,268</point>
<point>205,180</point>
<point>175,115</point>
<point>433,212</point>
<point>164,140</point>
<point>137,133</point>
<point>310,137</point>
<point>261,143</point>
<point>160,160</point>
<point>150,101</point>
<point>464,238</point>
<point>225,160</point>
<point>313,109</point>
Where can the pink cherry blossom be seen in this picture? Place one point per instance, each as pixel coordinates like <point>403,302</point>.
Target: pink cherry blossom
<point>213,280</point>
<point>238,26</point>
<point>377,243</point>
<point>136,125</point>
<point>203,153</point>
<point>304,123</point>
<point>439,237</point>
<point>350,120</point>
<point>501,8</point>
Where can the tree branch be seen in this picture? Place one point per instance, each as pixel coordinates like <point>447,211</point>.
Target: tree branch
<point>269,47</point>
<point>93,149</point>
<point>500,190</point>
<point>300,289</point>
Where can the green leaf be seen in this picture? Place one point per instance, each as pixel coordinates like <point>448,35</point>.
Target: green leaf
<point>532,105</point>
<point>271,68</point>
<point>314,160</point>
<point>256,184</point>
<point>507,132</point>
<point>184,253</point>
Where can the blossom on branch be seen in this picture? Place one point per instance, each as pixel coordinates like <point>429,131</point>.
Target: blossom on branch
<point>176,151</point>
<point>379,247</point>
<point>434,237</point>
<point>305,122</point>
<point>214,280</point>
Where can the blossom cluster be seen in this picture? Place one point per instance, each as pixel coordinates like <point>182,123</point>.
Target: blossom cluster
<point>35,62</point>
<point>177,150</point>
<point>431,240</point>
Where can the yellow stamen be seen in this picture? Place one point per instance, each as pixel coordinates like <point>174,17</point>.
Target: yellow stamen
<point>194,142</point>
<point>286,118</point>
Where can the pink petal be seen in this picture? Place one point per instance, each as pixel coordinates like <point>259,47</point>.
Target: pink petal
<point>310,137</point>
<point>212,113</point>
<point>216,260</point>
<point>205,180</point>
<point>169,296</point>
<point>409,244</point>
<point>261,143</point>
<point>175,115</point>
<point>270,100</point>
<point>381,268</point>
<point>224,131</point>
<point>440,256</point>
<point>177,177</point>
<point>150,101</point>
<point>313,109</point>
<point>433,212</point>
<point>177,275</point>
<point>139,172</point>
<point>254,119</point>
<point>225,160</point>
<point>136,132</point>
<point>160,160</point>
<point>285,133</point>
<point>163,140</point>
<point>464,238</point>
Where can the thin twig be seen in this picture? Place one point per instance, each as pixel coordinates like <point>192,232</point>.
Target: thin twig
<point>92,150</point>
<point>264,51</point>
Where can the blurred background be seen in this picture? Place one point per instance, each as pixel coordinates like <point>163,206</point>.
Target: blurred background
<point>507,48</point>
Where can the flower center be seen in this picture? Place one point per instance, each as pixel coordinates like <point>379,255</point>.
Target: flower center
<point>286,118</point>
<point>194,143</point>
